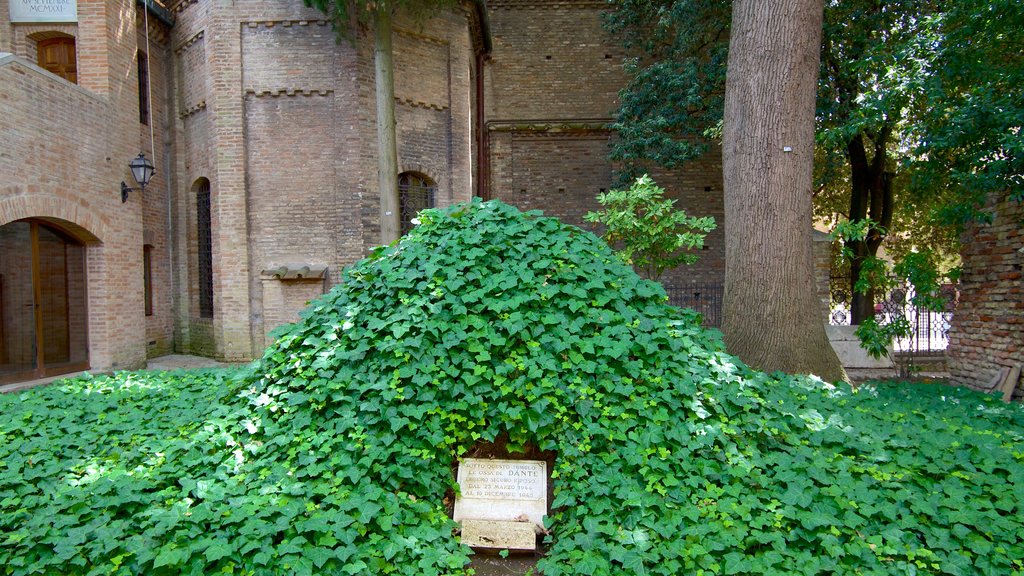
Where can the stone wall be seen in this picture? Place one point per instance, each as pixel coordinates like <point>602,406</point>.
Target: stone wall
<point>987,332</point>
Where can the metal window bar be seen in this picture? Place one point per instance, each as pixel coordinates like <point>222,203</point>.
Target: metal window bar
<point>143,69</point>
<point>704,297</point>
<point>929,330</point>
<point>205,245</point>
<point>414,194</point>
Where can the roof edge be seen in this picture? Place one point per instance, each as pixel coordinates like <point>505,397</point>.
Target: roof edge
<point>485,25</point>
<point>159,12</point>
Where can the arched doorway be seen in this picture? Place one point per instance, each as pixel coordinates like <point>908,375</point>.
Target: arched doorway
<point>43,315</point>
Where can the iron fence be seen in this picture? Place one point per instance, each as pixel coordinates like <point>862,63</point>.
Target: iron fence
<point>704,297</point>
<point>929,330</point>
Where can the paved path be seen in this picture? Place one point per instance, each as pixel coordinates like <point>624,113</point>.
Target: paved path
<point>861,375</point>
<point>169,362</point>
<point>178,361</point>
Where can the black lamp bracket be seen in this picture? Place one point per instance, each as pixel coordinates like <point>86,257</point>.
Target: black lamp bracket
<point>125,189</point>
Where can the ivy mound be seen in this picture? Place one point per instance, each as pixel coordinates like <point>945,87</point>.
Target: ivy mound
<point>332,454</point>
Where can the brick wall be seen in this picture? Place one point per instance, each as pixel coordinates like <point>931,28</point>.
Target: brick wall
<point>551,60</point>
<point>550,92</point>
<point>193,155</point>
<point>67,148</point>
<point>156,201</point>
<point>293,215</point>
<point>552,88</point>
<point>256,98</point>
<point>280,117</point>
<point>987,331</point>
<point>559,174</point>
<point>283,300</point>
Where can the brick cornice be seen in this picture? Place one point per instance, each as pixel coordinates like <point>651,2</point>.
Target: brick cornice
<point>290,92</point>
<point>419,104</point>
<point>544,4</point>
<point>189,42</point>
<point>192,109</point>
<point>283,23</point>
<point>420,36</point>
<point>180,5</point>
<point>550,126</point>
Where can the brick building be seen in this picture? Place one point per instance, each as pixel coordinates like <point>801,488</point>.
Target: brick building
<point>552,85</point>
<point>262,129</point>
<point>987,333</point>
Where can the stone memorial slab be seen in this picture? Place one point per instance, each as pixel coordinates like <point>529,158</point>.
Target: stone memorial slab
<point>499,534</point>
<point>508,490</point>
<point>44,10</point>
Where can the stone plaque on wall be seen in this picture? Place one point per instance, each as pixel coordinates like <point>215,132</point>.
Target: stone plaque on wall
<point>44,10</point>
<point>510,490</point>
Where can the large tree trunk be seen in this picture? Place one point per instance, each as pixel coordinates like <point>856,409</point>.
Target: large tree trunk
<point>387,149</point>
<point>773,318</point>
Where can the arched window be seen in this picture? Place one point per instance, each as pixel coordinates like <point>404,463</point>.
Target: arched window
<point>57,55</point>
<point>204,235</point>
<point>415,192</point>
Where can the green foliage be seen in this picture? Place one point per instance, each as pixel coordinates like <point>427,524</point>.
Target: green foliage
<point>672,106</point>
<point>647,230</point>
<point>332,454</point>
<point>120,475</point>
<point>931,91</point>
<point>345,14</point>
<point>969,141</point>
<point>917,272</point>
<point>875,272</point>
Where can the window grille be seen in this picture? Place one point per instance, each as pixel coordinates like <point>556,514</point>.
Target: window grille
<point>205,237</point>
<point>147,277</point>
<point>143,88</point>
<point>415,192</point>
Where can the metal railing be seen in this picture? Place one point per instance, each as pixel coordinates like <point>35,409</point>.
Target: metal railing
<point>704,297</point>
<point>929,330</point>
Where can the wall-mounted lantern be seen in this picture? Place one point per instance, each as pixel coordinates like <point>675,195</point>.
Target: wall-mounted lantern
<point>142,171</point>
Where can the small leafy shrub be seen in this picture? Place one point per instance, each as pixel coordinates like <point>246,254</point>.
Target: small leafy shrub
<point>332,454</point>
<point>647,230</point>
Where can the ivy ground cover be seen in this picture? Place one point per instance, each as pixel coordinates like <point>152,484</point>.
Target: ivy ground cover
<point>332,454</point>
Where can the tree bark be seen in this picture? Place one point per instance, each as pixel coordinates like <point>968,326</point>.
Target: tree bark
<point>773,318</point>
<point>387,148</point>
<point>871,196</point>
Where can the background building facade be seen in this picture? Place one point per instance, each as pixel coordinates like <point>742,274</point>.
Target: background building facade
<point>261,125</point>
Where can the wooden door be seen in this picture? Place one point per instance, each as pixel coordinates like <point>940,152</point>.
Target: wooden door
<point>17,304</point>
<point>57,55</point>
<point>43,315</point>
